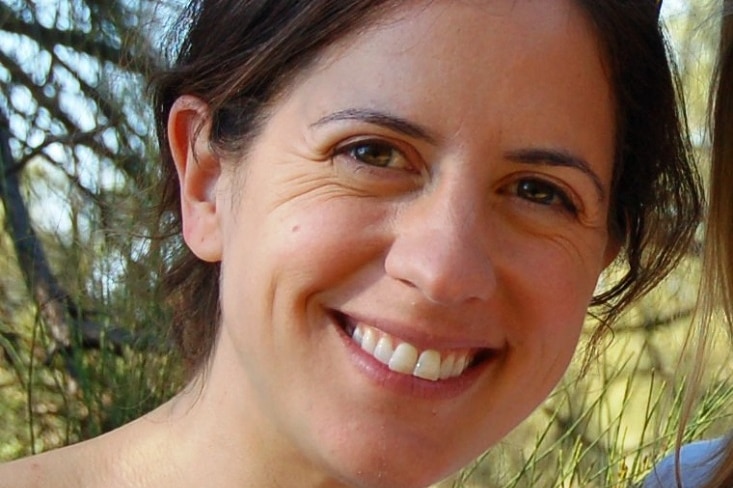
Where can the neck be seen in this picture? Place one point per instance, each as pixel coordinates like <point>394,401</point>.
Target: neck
<point>213,434</point>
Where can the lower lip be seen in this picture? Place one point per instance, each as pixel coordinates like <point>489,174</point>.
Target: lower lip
<point>409,385</point>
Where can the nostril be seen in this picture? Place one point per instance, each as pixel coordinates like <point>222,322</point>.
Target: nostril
<point>407,282</point>
<point>443,266</point>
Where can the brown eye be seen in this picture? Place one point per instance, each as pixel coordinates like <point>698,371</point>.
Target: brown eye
<point>377,154</point>
<point>544,193</point>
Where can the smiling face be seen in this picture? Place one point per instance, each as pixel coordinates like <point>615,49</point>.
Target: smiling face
<point>410,244</point>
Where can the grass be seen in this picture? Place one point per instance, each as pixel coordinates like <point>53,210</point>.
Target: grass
<point>604,427</point>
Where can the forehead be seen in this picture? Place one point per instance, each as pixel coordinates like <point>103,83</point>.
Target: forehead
<point>488,70</point>
<point>455,29</point>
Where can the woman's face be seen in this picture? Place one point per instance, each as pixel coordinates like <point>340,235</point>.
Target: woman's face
<point>409,246</point>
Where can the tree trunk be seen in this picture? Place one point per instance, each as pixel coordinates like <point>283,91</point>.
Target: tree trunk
<point>40,281</point>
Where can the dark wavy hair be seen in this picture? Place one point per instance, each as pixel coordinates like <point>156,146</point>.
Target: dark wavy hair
<point>238,55</point>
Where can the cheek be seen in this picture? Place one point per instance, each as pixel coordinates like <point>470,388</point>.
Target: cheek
<point>546,329</point>
<point>563,267</point>
<point>550,285</point>
<point>330,238</point>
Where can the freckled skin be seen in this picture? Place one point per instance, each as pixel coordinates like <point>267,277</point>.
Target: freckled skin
<point>463,239</point>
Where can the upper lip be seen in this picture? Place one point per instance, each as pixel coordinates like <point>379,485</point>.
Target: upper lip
<point>422,333</point>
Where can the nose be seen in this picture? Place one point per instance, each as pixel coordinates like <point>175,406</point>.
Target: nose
<point>440,248</point>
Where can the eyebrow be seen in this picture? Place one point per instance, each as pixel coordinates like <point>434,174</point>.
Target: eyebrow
<point>382,119</point>
<point>547,157</point>
<point>551,157</point>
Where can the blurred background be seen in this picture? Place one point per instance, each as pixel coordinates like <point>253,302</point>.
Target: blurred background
<point>83,343</point>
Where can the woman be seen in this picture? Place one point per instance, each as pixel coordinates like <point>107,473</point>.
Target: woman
<point>709,463</point>
<point>395,216</point>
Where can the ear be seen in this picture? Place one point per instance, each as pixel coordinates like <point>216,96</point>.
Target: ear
<point>199,170</point>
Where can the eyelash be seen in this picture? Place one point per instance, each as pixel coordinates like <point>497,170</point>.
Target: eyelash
<point>552,194</point>
<point>374,146</point>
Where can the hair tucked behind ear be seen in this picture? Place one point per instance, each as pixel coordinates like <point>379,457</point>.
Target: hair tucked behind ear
<point>237,56</point>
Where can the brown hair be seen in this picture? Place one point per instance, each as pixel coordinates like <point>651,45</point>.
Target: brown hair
<point>238,55</point>
<point>717,284</point>
<point>657,196</point>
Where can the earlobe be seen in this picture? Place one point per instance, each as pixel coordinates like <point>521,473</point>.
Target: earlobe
<point>199,171</point>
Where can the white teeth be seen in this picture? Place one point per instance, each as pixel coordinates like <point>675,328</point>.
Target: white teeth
<point>428,365</point>
<point>358,335</point>
<point>383,352</point>
<point>446,366</point>
<point>402,357</point>
<point>368,341</point>
<point>460,365</point>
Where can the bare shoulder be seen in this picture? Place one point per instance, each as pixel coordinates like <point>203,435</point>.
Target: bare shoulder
<point>136,454</point>
<point>53,469</point>
<point>95,463</point>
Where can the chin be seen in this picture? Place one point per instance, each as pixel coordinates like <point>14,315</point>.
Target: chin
<point>397,470</point>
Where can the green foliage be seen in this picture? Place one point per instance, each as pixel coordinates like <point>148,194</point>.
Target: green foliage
<point>606,427</point>
<point>78,200</point>
<point>44,406</point>
<point>88,183</point>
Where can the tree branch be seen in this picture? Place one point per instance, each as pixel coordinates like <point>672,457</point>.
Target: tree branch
<point>48,38</point>
<point>61,317</point>
<point>41,283</point>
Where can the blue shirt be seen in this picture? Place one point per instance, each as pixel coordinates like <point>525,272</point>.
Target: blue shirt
<point>698,461</point>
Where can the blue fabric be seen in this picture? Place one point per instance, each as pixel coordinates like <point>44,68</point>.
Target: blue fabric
<point>697,463</point>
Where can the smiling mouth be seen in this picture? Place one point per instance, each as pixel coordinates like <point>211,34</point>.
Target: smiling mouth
<point>402,357</point>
